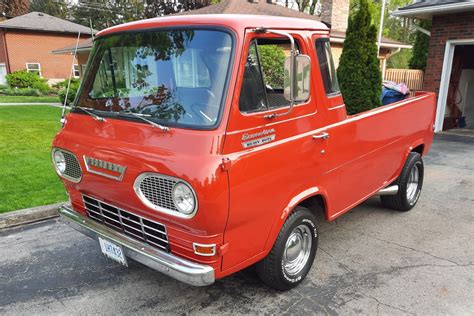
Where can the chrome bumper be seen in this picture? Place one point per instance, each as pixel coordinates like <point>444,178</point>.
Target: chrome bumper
<point>180,269</point>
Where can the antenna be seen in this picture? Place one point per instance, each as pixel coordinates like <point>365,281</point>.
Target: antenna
<point>69,81</point>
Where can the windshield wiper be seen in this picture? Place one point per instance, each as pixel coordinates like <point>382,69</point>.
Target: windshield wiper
<point>95,116</point>
<point>142,117</point>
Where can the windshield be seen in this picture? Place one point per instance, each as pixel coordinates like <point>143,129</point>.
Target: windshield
<point>172,77</point>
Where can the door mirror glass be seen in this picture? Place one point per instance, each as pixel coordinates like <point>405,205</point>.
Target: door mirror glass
<point>301,79</point>
<point>287,79</point>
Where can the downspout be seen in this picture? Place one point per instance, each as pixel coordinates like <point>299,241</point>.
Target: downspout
<point>7,59</point>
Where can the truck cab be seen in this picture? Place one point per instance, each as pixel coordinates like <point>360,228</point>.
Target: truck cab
<point>201,145</point>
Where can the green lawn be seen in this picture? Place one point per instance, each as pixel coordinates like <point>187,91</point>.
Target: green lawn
<point>27,177</point>
<point>26,99</point>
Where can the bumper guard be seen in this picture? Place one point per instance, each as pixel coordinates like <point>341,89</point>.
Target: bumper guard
<point>180,269</point>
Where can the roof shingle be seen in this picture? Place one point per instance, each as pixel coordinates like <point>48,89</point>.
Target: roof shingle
<point>38,21</point>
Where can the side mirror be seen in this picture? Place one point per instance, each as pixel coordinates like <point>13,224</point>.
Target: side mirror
<point>300,81</point>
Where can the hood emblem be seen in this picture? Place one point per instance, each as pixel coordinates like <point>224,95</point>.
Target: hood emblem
<point>104,168</point>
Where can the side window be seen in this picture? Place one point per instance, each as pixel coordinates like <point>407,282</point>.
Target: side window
<point>262,85</point>
<point>252,94</point>
<point>326,66</point>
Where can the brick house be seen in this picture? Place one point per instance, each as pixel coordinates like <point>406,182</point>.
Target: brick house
<point>26,42</point>
<point>450,65</point>
<point>334,12</point>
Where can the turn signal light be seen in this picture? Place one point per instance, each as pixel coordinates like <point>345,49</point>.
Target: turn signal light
<point>204,250</point>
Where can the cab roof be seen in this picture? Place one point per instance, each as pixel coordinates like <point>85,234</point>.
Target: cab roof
<point>237,22</point>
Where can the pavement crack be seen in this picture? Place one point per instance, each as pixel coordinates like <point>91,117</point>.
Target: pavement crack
<point>386,305</point>
<point>342,265</point>
<point>402,246</point>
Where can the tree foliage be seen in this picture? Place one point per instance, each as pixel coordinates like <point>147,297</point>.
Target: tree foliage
<point>57,8</point>
<point>420,48</point>
<point>156,8</point>
<point>13,8</point>
<point>105,13</point>
<point>359,73</point>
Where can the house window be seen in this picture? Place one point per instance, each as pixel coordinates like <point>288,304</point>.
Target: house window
<point>75,68</point>
<point>34,67</point>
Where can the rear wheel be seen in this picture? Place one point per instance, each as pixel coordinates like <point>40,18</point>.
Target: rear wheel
<point>293,253</point>
<point>409,184</point>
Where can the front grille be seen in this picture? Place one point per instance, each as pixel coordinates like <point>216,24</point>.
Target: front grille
<point>128,223</point>
<point>157,190</point>
<point>73,168</point>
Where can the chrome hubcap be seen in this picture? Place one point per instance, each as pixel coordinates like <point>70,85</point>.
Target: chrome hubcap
<point>412,185</point>
<point>297,250</point>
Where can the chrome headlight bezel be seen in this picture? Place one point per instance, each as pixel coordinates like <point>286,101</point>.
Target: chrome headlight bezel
<point>62,173</point>
<point>184,192</point>
<point>174,212</point>
<point>59,161</point>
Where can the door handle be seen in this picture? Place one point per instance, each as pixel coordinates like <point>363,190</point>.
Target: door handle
<point>322,135</point>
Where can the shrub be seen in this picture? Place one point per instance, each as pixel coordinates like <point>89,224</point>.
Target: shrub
<point>273,60</point>
<point>359,73</point>
<point>72,91</point>
<point>22,92</point>
<point>63,84</point>
<point>42,86</point>
<point>23,79</point>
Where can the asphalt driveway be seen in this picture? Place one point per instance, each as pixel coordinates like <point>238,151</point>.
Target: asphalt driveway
<point>370,261</point>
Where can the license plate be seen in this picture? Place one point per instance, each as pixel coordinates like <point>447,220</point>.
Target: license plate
<point>112,251</point>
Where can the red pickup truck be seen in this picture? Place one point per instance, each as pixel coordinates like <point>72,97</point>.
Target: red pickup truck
<point>201,145</point>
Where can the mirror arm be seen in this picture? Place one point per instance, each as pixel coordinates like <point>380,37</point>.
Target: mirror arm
<point>292,68</point>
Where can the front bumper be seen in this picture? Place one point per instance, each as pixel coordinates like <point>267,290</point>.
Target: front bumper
<point>180,269</point>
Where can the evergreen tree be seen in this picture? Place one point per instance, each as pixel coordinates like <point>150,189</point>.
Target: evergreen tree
<point>420,48</point>
<point>359,73</point>
<point>373,73</point>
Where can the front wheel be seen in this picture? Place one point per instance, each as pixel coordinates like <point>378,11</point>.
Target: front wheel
<point>293,253</point>
<point>409,184</point>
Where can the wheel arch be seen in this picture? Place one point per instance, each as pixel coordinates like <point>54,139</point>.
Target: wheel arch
<point>418,146</point>
<point>314,198</point>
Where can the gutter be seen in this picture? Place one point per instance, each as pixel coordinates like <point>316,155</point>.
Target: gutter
<point>383,45</point>
<point>435,10</point>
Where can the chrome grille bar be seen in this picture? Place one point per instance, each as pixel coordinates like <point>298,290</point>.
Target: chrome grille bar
<point>135,226</point>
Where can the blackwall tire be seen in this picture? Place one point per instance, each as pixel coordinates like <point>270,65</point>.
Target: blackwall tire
<point>409,184</point>
<point>293,253</point>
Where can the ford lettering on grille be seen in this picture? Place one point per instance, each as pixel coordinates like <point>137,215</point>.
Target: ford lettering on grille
<point>104,168</point>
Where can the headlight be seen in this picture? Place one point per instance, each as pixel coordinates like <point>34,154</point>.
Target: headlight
<point>183,198</point>
<point>59,161</point>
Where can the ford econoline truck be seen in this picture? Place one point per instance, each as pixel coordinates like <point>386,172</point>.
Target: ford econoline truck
<point>202,145</point>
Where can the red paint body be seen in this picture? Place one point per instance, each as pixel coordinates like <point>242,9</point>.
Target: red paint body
<point>244,202</point>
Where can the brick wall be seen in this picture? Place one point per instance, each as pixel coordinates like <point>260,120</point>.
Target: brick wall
<point>35,47</point>
<point>448,27</point>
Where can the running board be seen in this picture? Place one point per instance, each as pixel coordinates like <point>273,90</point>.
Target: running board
<point>391,190</point>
